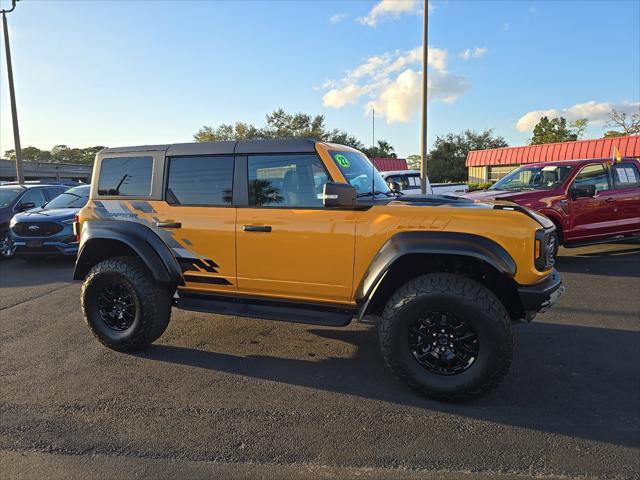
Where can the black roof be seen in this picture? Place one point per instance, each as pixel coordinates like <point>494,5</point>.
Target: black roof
<point>240,147</point>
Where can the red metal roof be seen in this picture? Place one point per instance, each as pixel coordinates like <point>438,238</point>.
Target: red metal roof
<point>389,164</point>
<point>581,150</point>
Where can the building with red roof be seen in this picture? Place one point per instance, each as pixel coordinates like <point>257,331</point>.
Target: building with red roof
<point>389,164</point>
<point>491,165</point>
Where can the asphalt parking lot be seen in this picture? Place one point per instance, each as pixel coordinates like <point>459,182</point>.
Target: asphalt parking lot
<point>237,398</point>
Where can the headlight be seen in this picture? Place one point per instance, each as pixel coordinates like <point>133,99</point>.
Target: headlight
<point>543,248</point>
<point>13,222</point>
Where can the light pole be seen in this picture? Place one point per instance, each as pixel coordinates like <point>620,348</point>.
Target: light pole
<point>12,95</point>
<point>425,61</point>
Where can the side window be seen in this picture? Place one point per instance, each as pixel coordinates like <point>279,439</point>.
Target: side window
<point>294,181</point>
<point>35,195</point>
<point>204,180</point>
<point>125,176</point>
<point>625,175</point>
<point>53,192</point>
<point>414,181</point>
<point>593,175</point>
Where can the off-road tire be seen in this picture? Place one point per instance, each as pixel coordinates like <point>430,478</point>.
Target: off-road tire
<point>152,301</point>
<point>466,298</point>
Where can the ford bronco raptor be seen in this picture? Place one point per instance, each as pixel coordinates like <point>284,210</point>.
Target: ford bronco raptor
<point>306,231</point>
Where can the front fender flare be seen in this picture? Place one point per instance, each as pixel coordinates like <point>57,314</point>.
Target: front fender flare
<point>442,243</point>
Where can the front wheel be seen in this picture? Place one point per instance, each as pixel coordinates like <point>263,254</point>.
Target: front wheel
<point>123,306</point>
<point>447,336</point>
<point>7,247</point>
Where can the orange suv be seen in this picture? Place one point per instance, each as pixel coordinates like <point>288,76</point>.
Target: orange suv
<point>305,231</point>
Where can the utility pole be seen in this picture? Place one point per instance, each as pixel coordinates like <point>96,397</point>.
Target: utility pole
<point>12,95</point>
<point>423,133</point>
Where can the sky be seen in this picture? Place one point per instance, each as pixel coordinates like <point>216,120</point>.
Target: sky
<point>119,73</point>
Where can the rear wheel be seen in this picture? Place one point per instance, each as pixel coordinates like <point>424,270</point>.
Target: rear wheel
<point>447,336</point>
<point>123,306</point>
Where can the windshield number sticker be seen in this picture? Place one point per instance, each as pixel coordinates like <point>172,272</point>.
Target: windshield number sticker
<point>343,161</point>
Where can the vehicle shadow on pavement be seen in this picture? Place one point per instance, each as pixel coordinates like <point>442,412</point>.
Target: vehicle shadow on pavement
<point>565,379</point>
<point>618,263</point>
<point>18,272</point>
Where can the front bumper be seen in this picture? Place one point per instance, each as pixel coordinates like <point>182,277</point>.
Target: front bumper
<point>44,247</point>
<point>541,296</point>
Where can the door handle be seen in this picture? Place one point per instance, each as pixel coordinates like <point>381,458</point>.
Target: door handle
<point>168,224</point>
<point>256,228</point>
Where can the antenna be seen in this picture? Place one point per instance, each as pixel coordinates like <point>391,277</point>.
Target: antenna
<point>373,149</point>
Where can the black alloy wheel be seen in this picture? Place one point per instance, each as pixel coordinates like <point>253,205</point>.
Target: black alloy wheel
<point>116,306</point>
<point>443,344</point>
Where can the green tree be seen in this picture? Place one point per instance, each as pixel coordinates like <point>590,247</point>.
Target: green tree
<point>613,133</point>
<point>414,162</point>
<point>579,127</point>
<point>628,123</point>
<point>382,150</point>
<point>279,124</point>
<point>552,131</point>
<point>58,154</point>
<point>446,160</point>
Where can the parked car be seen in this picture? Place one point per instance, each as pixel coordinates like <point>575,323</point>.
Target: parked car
<point>16,198</point>
<point>304,231</point>
<point>589,201</point>
<point>49,230</point>
<point>409,183</point>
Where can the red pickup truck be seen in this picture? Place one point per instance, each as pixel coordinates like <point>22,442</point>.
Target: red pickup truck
<point>590,201</point>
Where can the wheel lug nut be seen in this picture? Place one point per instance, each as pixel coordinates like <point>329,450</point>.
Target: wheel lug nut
<point>442,330</point>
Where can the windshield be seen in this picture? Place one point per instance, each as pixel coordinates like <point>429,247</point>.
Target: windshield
<point>8,195</point>
<point>533,178</point>
<point>74,198</point>
<point>358,171</point>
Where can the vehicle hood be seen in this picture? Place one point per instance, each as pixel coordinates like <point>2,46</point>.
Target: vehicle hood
<point>437,200</point>
<point>459,202</point>
<point>43,215</point>
<point>517,197</point>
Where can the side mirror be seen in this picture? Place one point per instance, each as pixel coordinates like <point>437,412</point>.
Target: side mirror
<point>395,186</point>
<point>26,206</point>
<point>338,195</point>
<point>583,191</point>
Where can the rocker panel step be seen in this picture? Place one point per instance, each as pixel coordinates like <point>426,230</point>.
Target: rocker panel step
<point>252,307</point>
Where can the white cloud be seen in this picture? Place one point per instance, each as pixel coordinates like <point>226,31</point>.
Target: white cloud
<point>393,86</point>
<point>596,112</point>
<point>347,95</point>
<point>400,99</point>
<point>476,52</point>
<point>390,9</point>
<point>338,17</point>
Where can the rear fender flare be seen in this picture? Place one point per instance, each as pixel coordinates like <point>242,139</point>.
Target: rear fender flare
<point>155,254</point>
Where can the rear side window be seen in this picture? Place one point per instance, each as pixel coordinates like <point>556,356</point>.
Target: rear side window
<point>203,180</point>
<point>125,176</point>
<point>625,175</point>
